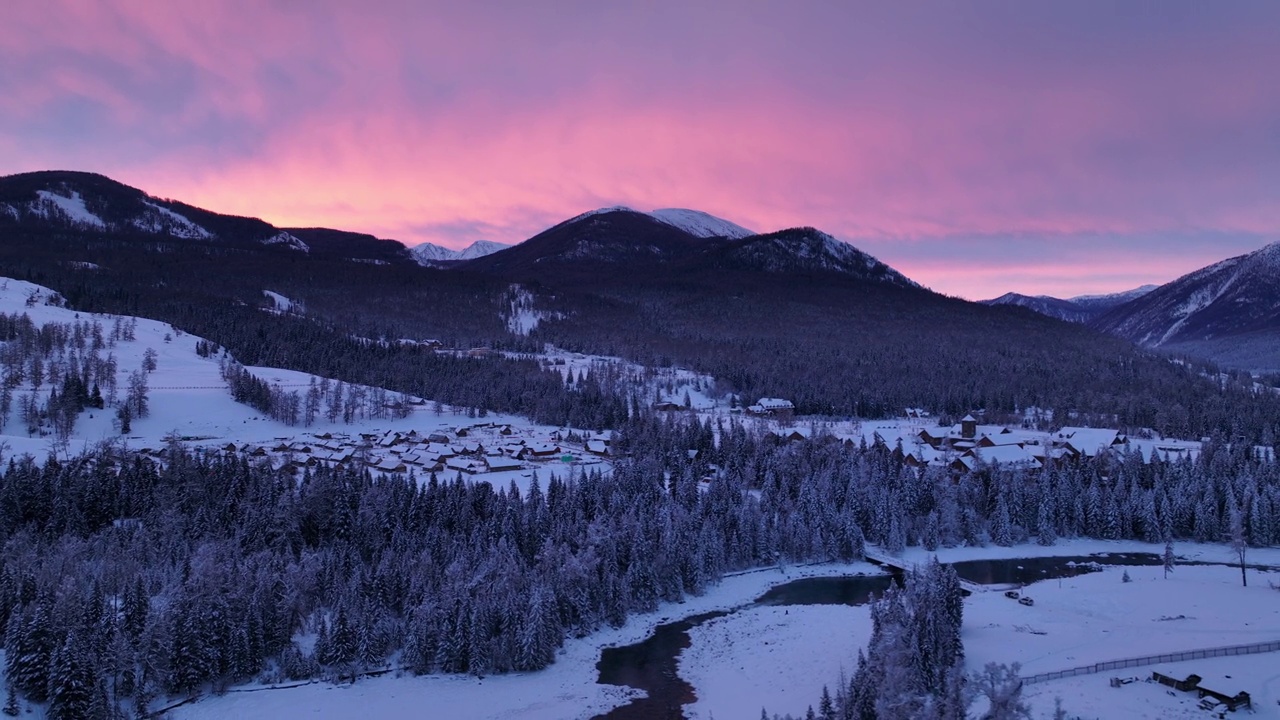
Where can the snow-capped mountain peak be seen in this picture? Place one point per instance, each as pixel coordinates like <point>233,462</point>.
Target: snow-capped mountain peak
<point>480,248</point>
<point>1115,298</point>
<point>700,224</point>
<point>429,254</point>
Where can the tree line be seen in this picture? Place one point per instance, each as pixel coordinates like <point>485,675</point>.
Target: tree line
<point>125,579</point>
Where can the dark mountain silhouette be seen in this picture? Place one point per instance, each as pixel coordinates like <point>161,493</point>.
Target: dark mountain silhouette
<point>1079,309</point>
<point>1228,312</point>
<point>795,313</point>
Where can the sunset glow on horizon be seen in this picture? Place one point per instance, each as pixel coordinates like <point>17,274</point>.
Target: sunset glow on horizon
<point>1068,148</point>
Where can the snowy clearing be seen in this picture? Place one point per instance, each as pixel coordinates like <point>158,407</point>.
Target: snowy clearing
<point>780,658</point>
<point>189,399</point>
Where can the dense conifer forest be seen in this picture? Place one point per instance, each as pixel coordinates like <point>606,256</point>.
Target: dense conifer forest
<point>125,580</point>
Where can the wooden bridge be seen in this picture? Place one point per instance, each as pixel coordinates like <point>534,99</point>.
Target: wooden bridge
<point>897,565</point>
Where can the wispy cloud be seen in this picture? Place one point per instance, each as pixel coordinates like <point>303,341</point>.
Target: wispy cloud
<point>983,135</point>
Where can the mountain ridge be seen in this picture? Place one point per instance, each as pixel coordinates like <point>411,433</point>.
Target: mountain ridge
<point>1078,309</point>
<point>1228,311</point>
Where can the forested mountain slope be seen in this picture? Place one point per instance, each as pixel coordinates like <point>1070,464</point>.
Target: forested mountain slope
<point>794,313</point>
<point>1228,311</point>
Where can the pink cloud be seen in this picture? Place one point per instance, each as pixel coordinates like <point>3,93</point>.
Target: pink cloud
<point>892,129</point>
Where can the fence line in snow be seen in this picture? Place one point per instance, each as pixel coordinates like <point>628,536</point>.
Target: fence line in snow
<point>1251,649</point>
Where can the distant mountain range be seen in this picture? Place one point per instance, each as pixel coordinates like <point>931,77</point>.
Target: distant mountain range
<point>1079,309</point>
<point>1228,311</point>
<point>794,313</point>
<point>431,255</point>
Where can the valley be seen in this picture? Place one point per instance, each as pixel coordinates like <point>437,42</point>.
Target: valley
<point>316,473</point>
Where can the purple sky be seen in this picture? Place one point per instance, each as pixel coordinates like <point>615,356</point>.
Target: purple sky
<point>1058,148</point>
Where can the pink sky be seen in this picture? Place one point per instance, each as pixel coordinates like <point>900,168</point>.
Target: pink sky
<point>1062,149</point>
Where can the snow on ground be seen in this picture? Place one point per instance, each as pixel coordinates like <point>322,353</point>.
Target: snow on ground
<point>780,657</point>
<point>700,224</point>
<point>71,207</point>
<point>188,399</point>
<point>567,689</point>
<point>282,303</point>
<point>289,241</point>
<point>159,218</point>
<point>521,317</point>
<point>1091,696</point>
<point>668,384</point>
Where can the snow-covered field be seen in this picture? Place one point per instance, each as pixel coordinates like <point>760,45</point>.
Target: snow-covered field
<point>779,658</point>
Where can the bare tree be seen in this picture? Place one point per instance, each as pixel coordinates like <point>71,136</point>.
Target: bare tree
<point>1003,689</point>
<point>1238,542</point>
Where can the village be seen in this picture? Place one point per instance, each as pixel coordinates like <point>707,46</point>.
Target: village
<point>500,451</point>
<point>496,452</point>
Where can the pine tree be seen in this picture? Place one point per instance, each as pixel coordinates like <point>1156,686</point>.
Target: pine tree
<point>1168,557</point>
<point>826,708</point>
<point>1045,533</point>
<point>71,684</point>
<point>31,657</point>
<point>11,707</point>
<point>1002,530</point>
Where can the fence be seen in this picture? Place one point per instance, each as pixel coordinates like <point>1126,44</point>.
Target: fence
<point>1253,649</point>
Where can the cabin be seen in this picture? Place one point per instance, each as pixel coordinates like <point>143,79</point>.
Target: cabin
<point>1086,442</point>
<point>1000,440</point>
<point>543,450</point>
<point>788,435</point>
<point>390,465</point>
<point>465,465</point>
<point>442,451</point>
<point>597,447</point>
<point>923,456</point>
<point>1008,455</point>
<point>501,464</point>
<point>934,437</point>
<point>772,406</point>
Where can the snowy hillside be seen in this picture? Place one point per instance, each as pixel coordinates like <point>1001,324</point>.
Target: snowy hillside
<point>87,202</point>
<point>480,248</point>
<point>1225,312</point>
<point>69,207</point>
<point>188,398</point>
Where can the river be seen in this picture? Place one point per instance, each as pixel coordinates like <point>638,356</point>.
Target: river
<point>651,665</point>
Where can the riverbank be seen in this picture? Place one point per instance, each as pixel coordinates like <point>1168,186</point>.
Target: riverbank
<point>780,658</point>
<point>567,689</point>
<point>806,644</point>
